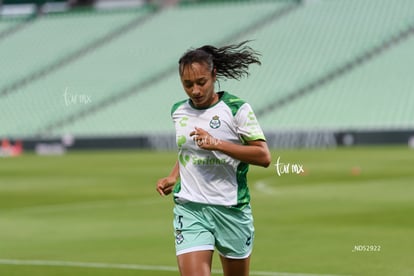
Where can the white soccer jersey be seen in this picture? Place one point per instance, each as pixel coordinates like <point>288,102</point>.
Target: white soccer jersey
<point>213,177</point>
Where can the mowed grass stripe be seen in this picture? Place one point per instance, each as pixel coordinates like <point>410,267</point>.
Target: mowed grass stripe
<point>102,207</point>
<point>133,267</point>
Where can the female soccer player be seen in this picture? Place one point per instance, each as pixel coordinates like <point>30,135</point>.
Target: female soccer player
<point>218,136</point>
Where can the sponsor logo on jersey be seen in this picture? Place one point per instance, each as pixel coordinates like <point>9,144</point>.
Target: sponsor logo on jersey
<point>183,121</point>
<point>208,161</point>
<point>183,158</point>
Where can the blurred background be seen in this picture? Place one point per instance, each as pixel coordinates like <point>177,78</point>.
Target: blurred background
<point>89,86</point>
<point>103,74</point>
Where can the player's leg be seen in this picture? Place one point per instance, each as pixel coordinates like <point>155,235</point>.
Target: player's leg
<point>195,263</point>
<point>235,267</point>
<point>194,241</point>
<point>234,239</point>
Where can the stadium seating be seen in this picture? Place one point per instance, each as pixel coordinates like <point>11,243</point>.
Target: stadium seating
<point>376,96</point>
<point>7,24</point>
<point>148,111</point>
<point>127,61</point>
<point>52,37</point>
<point>314,41</point>
<point>127,85</point>
<point>46,41</point>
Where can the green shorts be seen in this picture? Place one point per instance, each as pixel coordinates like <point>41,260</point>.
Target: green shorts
<point>205,227</point>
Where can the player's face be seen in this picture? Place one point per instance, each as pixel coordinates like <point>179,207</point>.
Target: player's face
<point>198,82</point>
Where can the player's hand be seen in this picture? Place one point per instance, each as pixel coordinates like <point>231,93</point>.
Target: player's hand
<point>204,140</point>
<point>165,185</point>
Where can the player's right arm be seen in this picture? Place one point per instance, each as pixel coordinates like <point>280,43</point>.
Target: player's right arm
<point>165,185</point>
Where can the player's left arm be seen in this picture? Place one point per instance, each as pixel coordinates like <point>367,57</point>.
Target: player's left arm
<point>255,152</point>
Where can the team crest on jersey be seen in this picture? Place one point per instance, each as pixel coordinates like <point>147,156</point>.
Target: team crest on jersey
<point>179,238</point>
<point>215,122</point>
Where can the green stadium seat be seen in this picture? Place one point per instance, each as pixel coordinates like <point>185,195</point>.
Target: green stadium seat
<point>132,81</point>
<point>129,60</point>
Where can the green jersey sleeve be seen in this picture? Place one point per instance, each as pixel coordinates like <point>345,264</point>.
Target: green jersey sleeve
<point>247,125</point>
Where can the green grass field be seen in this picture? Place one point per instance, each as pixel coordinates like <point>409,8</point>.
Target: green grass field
<point>91,213</point>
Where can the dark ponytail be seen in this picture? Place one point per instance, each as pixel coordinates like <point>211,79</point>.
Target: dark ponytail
<point>231,62</point>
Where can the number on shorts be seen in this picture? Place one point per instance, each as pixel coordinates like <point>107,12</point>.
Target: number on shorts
<point>180,222</point>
